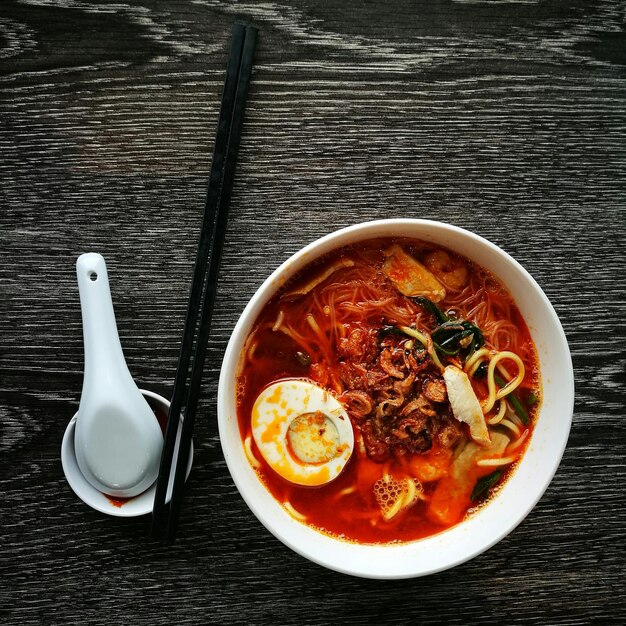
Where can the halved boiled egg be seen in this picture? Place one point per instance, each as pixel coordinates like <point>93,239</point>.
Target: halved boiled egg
<point>302,431</point>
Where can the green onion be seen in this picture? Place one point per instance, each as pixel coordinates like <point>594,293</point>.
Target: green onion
<point>481,370</point>
<point>518,407</point>
<point>390,330</point>
<point>452,336</point>
<point>432,308</point>
<point>483,486</point>
<point>448,337</point>
<point>532,399</point>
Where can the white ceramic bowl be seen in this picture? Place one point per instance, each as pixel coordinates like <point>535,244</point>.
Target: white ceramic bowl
<point>521,491</point>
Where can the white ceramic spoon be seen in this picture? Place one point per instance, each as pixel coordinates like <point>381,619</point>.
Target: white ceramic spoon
<point>118,439</point>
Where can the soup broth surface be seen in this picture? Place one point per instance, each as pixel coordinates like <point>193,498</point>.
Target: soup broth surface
<point>397,330</point>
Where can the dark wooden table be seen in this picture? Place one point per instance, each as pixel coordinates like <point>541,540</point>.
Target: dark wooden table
<point>505,117</point>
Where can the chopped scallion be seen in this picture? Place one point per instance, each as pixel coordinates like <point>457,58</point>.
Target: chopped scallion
<point>484,485</point>
<point>432,308</point>
<point>518,407</point>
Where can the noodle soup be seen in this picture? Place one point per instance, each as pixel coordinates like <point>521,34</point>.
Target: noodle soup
<point>387,391</point>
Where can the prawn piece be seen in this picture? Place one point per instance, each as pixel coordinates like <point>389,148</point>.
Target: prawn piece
<point>451,271</point>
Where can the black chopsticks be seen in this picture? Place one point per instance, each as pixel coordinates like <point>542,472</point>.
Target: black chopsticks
<point>204,282</point>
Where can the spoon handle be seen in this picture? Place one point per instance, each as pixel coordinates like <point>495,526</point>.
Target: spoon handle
<point>103,352</point>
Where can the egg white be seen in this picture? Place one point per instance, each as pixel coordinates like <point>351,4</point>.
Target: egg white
<point>274,410</point>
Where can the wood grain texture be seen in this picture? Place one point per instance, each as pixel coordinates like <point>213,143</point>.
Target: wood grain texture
<point>506,117</point>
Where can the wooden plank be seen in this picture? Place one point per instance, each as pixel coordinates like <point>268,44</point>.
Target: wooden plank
<point>505,117</point>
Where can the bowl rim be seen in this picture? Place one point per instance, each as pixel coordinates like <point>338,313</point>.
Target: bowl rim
<point>367,557</point>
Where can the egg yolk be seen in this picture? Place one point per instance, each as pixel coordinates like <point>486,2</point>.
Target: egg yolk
<point>313,438</point>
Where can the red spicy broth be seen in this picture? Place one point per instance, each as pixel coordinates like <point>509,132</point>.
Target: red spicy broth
<point>342,323</point>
